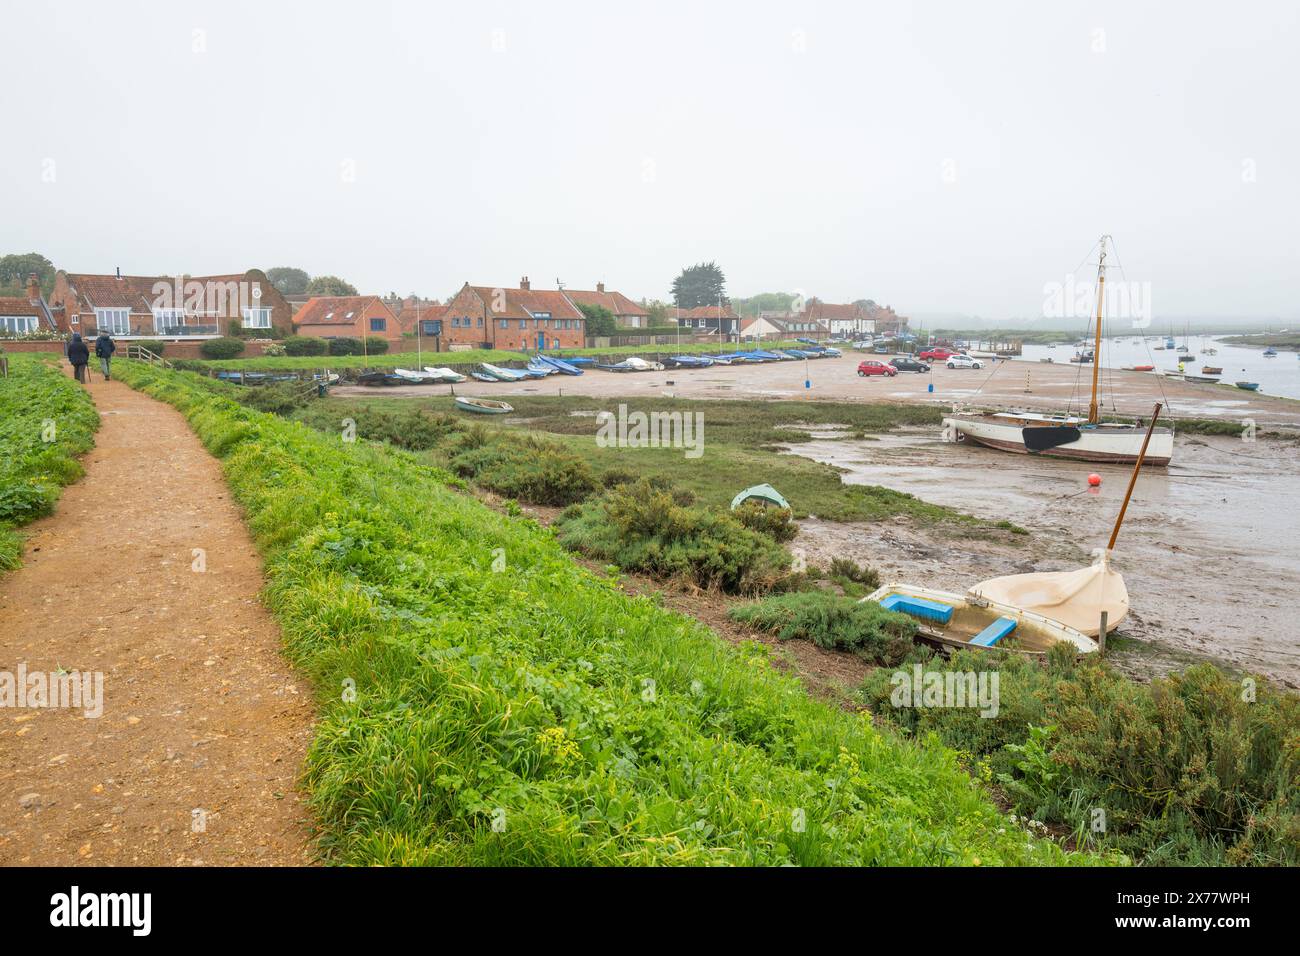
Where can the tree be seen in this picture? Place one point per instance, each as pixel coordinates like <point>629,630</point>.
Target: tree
<point>14,270</point>
<point>288,280</point>
<point>700,284</point>
<point>764,302</point>
<point>660,313</point>
<point>865,303</point>
<point>600,321</point>
<point>330,285</point>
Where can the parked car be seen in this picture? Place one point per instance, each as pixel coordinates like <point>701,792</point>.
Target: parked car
<point>876,368</point>
<point>964,361</point>
<point>940,353</point>
<point>906,363</point>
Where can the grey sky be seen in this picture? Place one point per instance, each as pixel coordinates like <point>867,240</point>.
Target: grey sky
<point>802,146</point>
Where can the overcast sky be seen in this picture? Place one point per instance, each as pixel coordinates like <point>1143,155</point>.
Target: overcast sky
<point>940,157</point>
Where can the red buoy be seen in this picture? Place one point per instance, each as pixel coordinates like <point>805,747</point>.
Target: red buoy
<point>1094,479</point>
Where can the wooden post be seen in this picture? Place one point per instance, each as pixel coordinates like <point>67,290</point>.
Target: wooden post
<point>1101,634</point>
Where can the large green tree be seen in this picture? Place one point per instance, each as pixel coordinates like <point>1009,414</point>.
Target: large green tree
<point>288,280</point>
<point>330,285</point>
<point>600,321</point>
<point>700,284</point>
<point>15,268</point>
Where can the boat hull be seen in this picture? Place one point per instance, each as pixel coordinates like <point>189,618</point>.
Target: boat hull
<point>1115,446</point>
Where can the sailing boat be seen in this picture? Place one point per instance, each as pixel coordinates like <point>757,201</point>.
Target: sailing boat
<point>1066,436</point>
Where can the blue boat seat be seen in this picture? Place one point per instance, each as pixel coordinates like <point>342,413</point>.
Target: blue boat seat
<point>918,607</point>
<point>994,632</point>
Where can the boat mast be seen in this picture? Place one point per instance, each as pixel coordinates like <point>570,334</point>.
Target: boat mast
<point>1093,412</point>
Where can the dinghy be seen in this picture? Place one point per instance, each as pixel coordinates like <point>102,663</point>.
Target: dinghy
<point>482,406</point>
<point>1249,386</point>
<point>502,374</point>
<point>561,366</point>
<point>1211,370</point>
<point>415,378</point>
<point>444,375</point>
<point>956,621</point>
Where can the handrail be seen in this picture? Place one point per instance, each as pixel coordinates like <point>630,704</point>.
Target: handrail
<point>140,352</point>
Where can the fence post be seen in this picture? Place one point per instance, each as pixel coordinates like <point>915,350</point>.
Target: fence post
<point>1101,634</point>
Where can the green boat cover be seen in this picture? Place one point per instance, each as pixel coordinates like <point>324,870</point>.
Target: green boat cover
<point>762,493</point>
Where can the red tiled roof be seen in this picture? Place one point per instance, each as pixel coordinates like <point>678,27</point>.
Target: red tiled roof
<point>826,311</point>
<point>136,293</point>
<point>336,309</point>
<point>20,305</point>
<point>616,302</point>
<point>408,316</point>
<point>524,303</point>
<point>706,312</point>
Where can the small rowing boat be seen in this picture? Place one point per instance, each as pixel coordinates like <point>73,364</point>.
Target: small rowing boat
<point>1249,386</point>
<point>1211,370</point>
<point>1213,380</point>
<point>963,621</point>
<point>1139,368</point>
<point>482,406</point>
<point>1270,352</point>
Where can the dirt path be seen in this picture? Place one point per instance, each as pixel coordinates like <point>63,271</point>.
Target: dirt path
<point>204,726</point>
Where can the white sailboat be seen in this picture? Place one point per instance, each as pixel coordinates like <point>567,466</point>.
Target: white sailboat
<point>1062,436</point>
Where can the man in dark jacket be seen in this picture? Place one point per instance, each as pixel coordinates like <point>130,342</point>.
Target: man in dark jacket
<point>78,356</point>
<point>104,348</point>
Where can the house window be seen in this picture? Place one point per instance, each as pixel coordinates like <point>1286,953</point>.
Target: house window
<point>378,325</point>
<point>480,321</point>
<point>504,323</point>
<point>523,323</point>
<point>257,318</point>
<point>113,321</point>
<point>18,323</point>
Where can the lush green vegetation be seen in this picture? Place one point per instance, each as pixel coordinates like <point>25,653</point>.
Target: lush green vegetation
<point>486,700</point>
<point>46,421</point>
<point>1197,768</point>
<point>645,527</point>
<point>833,622</point>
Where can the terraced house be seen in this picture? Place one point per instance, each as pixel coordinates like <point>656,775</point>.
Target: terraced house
<point>627,314</point>
<point>168,307</point>
<point>519,318</point>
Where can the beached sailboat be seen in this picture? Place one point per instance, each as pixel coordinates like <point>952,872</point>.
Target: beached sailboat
<point>1062,436</point>
<point>1031,612</point>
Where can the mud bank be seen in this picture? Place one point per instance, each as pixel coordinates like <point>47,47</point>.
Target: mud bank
<point>1207,549</point>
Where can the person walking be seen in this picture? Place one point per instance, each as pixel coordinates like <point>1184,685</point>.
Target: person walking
<point>78,355</point>
<point>104,348</point>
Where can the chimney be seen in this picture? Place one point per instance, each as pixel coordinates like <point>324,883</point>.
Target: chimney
<point>523,283</point>
<point>600,287</point>
<point>33,287</point>
<point>119,272</point>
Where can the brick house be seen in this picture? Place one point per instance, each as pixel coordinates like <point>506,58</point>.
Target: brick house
<point>348,316</point>
<point>171,307</point>
<point>424,316</point>
<point>627,314</point>
<point>521,318</point>
<point>21,314</point>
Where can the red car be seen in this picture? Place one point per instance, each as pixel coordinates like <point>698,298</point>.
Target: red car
<point>876,368</point>
<point>940,353</point>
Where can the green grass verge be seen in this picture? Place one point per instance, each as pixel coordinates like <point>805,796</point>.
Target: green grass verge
<point>46,421</point>
<point>485,700</point>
